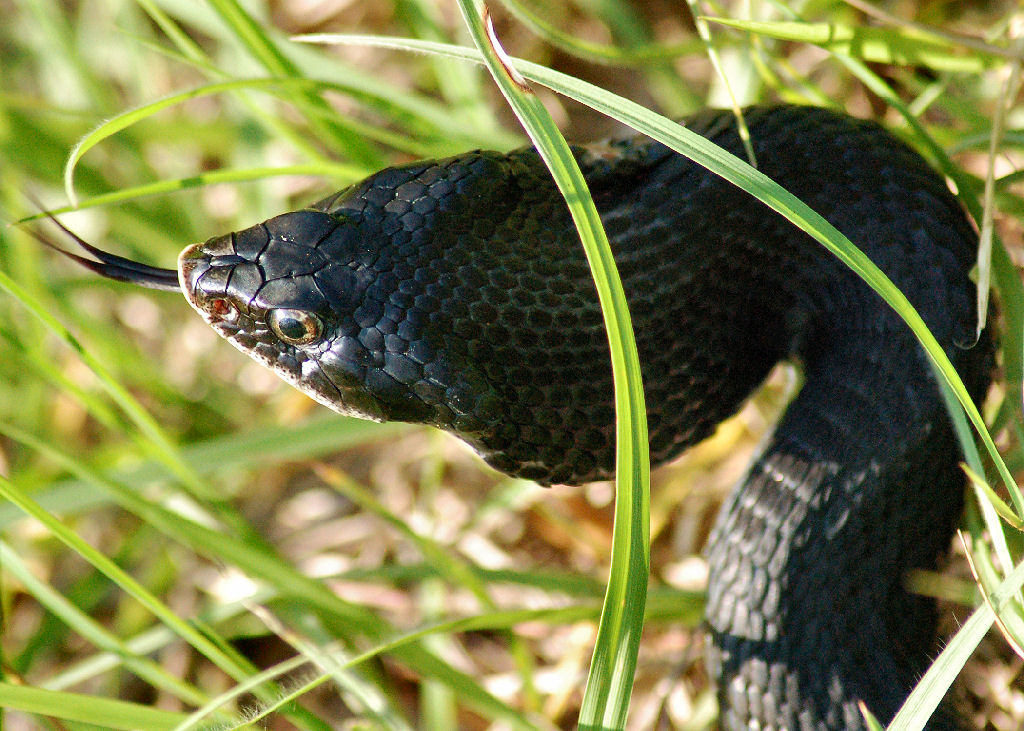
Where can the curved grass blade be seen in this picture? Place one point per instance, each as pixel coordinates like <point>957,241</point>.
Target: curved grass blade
<point>609,686</point>
<point>931,31</point>
<point>639,56</point>
<point>108,568</point>
<point>704,32</point>
<point>264,446</point>
<point>157,442</point>
<point>338,171</point>
<point>256,561</point>
<point>1011,86</point>
<point>948,665</point>
<point>1005,272</point>
<point>496,620</point>
<point>448,566</point>
<point>94,632</point>
<point>327,124</point>
<point>272,85</point>
<point>633,47</point>
<point>992,256</point>
<point>420,115</point>
<point>130,117</point>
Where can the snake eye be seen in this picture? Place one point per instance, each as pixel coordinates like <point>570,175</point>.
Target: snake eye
<point>223,310</point>
<point>295,327</point>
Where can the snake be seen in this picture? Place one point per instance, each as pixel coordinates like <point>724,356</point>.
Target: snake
<point>454,292</point>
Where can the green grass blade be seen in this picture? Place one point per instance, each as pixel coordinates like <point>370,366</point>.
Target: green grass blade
<point>639,55</point>
<point>1005,273</point>
<point>258,448</point>
<point>421,115</point>
<point>704,32</point>
<point>925,698</point>
<point>632,28</point>
<point>449,567</point>
<point>256,562</point>
<point>496,620</point>
<point>188,48</point>
<point>897,46</point>
<point>329,128</point>
<point>109,569</point>
<point>463,87</point>
<point>502,619</point>
<point>159,442</point>
<point>86,709</point>
<point>1002,509</point>
<point>92,631</point>
<point>869,718</point>
<point>133,116</point>
<point>606,699</point>
<point>150,641</point>
<point>198,718</point>
<point>341,172</point>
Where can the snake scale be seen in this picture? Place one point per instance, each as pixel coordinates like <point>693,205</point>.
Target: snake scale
<point>455,293</point>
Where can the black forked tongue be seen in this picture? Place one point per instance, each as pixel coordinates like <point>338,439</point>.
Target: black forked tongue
<point>111,265</point>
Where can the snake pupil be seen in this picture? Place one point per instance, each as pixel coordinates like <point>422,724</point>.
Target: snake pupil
<point>295,327</point>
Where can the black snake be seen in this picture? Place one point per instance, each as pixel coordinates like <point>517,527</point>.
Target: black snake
<point>455,293</point>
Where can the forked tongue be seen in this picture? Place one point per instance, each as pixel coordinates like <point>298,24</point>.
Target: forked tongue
<point>111,265</point>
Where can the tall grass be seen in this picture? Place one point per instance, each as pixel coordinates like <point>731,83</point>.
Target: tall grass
<point>206,547</point>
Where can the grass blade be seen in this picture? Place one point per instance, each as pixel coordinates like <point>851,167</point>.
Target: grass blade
<point>86,709</point>
<point>109,569</point>
<point>92,631</point>
<point>921,703</point>
<point>606,699</point>
<point>879,45</point>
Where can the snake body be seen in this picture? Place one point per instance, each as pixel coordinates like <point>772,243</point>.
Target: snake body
<point>455,293</point>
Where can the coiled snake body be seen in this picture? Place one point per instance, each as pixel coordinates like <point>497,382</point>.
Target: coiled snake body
<point>455,293</point>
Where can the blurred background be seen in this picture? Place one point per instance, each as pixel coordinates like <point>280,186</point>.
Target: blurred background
<point>235,511</point>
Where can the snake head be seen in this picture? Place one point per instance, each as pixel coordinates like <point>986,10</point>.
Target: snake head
<point>290,293</point>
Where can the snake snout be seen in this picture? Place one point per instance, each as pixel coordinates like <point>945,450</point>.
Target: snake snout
<point>205,276</point>
<point>193,263</point>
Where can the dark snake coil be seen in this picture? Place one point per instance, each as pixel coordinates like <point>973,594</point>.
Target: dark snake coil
<point>455,293</point>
